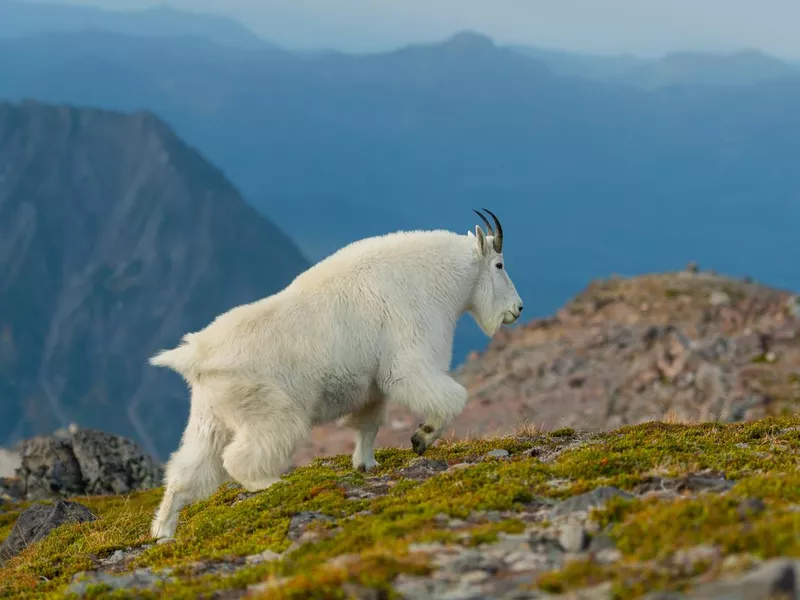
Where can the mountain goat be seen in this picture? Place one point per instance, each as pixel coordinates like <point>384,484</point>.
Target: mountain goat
<point>371,324</point>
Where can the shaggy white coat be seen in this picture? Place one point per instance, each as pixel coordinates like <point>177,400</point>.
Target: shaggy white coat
<point>372,323</point>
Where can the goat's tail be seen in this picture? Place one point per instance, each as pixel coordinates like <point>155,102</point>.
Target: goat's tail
<point>182,359</point>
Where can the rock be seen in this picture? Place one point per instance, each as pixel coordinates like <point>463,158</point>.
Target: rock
<point>262,557</point>
<point>140,579</point>
<point>686,559</point>
<point>111,464</point>
<point>11,490</point>
<point>601,542</point>
<point>585,502</point>
<point>85,461</point>
<point>751,507</point>
<point>573,537</point>
<point>301,521</point>
<point>499,453</point>
<point>48,468</point>
<point>422,468</point>
<point>40,519</point>
<point>775,579</point>
<point>719,298</point>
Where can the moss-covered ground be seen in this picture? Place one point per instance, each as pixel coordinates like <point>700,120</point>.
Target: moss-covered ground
<point>371,537</point>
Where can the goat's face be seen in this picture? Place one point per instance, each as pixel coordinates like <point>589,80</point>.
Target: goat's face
<point>495,300</point>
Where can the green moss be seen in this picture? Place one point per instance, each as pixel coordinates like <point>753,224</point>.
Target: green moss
<point>762,456</point>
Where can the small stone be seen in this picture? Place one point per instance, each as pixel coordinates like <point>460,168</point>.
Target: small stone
<point>301,521</point>
<point>262,557</point>
<point>607,556</point>
<point>573,537</point>
<point>750,507</point>
<point>688,558</point>
<point>719,298</point>
<point>498,453</point>
<point>584,502</point>
<point>474,577</point>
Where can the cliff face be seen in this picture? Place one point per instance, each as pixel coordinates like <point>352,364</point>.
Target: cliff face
<point>115,239</point>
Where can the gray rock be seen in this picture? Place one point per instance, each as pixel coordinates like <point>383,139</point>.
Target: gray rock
<point>573,537</point>
<point>49,469</point>
<point>422,468</point>
<point>601,542</point>
<point>262,557</point>
<point>85,461</point>
<point>38,520</point>
<point>499,453</point>
<point>140,579</point>
<point>775,579</point>
<point>301,521</point>
<point>111,464</point>
<point>584,502</point>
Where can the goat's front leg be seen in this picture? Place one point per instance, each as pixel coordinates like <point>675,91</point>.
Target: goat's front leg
<point>431,393</point>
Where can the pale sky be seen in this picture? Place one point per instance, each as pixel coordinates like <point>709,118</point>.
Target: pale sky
<point>644,27</point>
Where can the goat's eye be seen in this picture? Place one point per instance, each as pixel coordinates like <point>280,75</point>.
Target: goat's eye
<point>499,265</point>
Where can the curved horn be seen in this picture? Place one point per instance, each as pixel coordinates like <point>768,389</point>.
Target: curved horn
<point>486,221</point>
<point>498,238</point>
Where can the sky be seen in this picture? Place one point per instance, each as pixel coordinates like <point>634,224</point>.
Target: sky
<point>642,27</point>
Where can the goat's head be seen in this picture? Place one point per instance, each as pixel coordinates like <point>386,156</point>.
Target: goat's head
<point>495,300</point>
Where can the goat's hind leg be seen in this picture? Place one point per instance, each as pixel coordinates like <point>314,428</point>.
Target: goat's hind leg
<point>264,442</point>
<point>366,422</point>
<point>193,472</point>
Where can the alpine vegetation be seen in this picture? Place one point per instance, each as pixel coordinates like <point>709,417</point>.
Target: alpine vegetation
<point>371,324</point>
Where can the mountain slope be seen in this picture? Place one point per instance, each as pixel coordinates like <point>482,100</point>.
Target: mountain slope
<point>19,19</point>
<point>115,239</point>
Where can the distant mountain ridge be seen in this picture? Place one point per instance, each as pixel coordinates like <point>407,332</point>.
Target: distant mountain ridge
<point>20,19</point>
<point>592,177</point>
<point>116,238</point>
<point>744,67</point>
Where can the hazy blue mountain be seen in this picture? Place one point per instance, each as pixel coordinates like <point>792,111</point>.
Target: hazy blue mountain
<point>20,18</point>
<point>678,68</point>
<point>116,238</point>
<point>590,177</point>
<point>578,64</point>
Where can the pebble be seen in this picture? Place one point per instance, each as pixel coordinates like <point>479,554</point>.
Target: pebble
<point>262,557</point>
<point>573,537</point>
<point>499,453</point>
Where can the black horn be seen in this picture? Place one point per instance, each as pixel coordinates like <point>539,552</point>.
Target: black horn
<point>489,229</point>
<point>498,238</point>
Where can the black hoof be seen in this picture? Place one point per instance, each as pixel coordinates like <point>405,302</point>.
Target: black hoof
<point>418,444</point>
<point>362,468</point>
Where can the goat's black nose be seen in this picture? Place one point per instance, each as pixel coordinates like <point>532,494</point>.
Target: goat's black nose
<point>520,308</point>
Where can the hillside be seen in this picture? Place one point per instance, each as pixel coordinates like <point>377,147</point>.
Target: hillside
<point>705,511</point>
<point>116,238</point>
<point>597,177</point>
<point>685,346</point>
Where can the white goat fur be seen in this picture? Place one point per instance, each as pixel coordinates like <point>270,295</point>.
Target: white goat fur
<point>372,323</point>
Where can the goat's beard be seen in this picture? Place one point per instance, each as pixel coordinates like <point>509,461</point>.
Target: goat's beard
<point>489,326</point>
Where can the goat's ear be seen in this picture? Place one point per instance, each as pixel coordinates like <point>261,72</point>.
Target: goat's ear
<point>470,234</point>
<point>482,244</point>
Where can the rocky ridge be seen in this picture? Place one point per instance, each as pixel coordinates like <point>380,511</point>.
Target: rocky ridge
<point>687,346</point>
<point>657,511</point>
